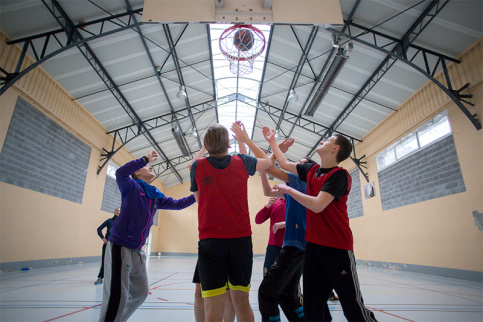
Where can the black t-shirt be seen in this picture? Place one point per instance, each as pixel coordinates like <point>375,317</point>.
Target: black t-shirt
<point>336,185</point>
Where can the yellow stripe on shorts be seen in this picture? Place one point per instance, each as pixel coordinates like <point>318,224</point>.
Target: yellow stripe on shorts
<point>239,287</point>
<point>212,293</point>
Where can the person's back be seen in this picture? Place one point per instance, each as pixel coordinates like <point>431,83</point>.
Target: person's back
<point>223,195</point>
<point>225,253</point>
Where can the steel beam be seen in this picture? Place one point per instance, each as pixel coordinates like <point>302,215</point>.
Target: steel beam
<point>126,134</point>
<point>399,52</point>
<point>73,36</point>
<point>49,49</point>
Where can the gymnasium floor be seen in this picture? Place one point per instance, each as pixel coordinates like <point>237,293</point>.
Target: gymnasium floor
<point>67,293</point>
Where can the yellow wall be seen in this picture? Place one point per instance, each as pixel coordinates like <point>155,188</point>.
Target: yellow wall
<point>37,226</point>
<point>439,232</point>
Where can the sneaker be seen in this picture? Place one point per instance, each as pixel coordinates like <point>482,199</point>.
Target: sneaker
<point>99,281</point>
<point>333,297</point>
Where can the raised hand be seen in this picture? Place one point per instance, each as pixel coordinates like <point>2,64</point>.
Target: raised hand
<point>287,143</point>
<point>152,156</point>
<point>241,134</point>
<point>268,134</point>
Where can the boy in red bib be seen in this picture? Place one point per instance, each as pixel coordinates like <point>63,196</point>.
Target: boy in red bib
<point>225,254</point>
<point>329,261</point>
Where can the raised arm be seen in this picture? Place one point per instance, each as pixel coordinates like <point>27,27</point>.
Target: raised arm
<point>265,212</point>
<point>277,173</point>
<point>263,161</point>
<point>242,147</point>
<point>281,158</point>
<point>198,155</point>
<point>267,189</point>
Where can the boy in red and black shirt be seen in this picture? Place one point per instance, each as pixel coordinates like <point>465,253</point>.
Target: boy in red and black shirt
<point>225,254</point>
<point>329,261</point>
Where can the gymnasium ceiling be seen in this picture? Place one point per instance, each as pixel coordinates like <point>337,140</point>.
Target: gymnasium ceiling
<point>127,72</point>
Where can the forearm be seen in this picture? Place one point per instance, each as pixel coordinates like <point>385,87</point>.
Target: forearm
<point>316,204</point>
<point>257,152</point>
<point>99,232</point>
<point>176,204</point>
<point>242,148</point>
<point>282,159</point>
<point>130,167</point>
<point>262,215</point>
<point>277,173</point>
<point>267,189</point>
<point>200,154</point>
<point>263,161</point>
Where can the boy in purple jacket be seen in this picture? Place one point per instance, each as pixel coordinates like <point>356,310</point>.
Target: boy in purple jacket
<point>126,281</point>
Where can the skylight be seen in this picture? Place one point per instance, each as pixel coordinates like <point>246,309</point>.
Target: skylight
<point>236,95</point>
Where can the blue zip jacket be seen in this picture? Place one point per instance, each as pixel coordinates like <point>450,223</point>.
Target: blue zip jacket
<point>131,228</point>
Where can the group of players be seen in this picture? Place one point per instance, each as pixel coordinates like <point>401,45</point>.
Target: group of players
<point>317,243</point>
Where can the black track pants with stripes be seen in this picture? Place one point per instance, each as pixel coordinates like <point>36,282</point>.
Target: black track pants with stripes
<point>325,269</point>
<point>125,283</point>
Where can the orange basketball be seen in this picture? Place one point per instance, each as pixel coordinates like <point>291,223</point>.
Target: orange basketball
<point>243,39</point>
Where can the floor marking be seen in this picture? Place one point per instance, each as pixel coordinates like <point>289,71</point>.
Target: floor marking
<point>382,311</point>
<point>87,308</point>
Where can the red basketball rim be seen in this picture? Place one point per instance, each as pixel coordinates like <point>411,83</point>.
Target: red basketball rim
<point>230,30</point>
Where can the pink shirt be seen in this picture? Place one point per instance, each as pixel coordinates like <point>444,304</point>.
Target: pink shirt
<point>276,213</point>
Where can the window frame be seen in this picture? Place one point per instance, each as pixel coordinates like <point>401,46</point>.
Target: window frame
<point>426,128</point>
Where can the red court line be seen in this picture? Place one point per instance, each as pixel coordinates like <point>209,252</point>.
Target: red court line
<point>382,311</point>
<point>167,285</point>
<point>87,308</point>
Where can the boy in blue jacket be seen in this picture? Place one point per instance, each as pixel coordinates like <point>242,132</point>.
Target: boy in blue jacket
<point>126,281</point>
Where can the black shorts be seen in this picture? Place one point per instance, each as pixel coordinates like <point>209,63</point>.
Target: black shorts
<point>196,275</point>
<point>224,262</point>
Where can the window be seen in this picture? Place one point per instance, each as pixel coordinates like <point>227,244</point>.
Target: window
<point>406,146</point>
<point>435,129</point>
<point>111,170</point>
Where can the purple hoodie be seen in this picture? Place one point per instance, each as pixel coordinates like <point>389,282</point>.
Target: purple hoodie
<point>131,229</point>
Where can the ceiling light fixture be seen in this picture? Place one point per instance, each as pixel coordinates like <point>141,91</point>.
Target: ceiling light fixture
<point>277,134</point>
<point>180,140</point>
<point>193,133</point>
<point>334,69</point>
<point>182,92</point>
<point>292,96</point>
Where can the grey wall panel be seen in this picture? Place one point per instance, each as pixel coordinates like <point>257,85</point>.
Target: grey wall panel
<point>354,203</point>
<point>111,198</point>
<point>40,155</point>
<point>430,173</point>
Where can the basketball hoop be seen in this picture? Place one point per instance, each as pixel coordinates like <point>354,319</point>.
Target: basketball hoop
<point>241,44</point>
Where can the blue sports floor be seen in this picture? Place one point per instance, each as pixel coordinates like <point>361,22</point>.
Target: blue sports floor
<point>67,293</point>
